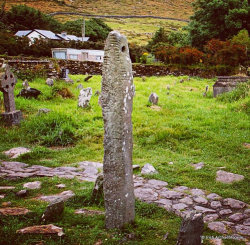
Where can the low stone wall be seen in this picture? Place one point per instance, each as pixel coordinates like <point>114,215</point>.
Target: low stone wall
<point>53,67</point>
<point>227,84</point>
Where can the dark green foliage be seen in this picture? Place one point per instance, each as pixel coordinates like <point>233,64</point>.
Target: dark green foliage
<point>52,129</point>
<point>241,92</point>
<point>22,17</point>
<point>219,19</point>
<point>96,29</point>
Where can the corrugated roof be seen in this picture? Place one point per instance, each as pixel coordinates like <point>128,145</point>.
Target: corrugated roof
<point>72,37</point>
<point>48,34</point>
<point>22,33</point>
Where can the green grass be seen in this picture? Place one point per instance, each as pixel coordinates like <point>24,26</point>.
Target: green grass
<point>187,128</point>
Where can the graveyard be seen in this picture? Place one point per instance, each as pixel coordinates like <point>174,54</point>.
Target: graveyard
<point>185,128</point>
<point>135,131</point>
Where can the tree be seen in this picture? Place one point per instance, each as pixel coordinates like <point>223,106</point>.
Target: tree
<point>96,29</point>
<point>242,38</point>
<point>22,17</point>
<point>220,19</point>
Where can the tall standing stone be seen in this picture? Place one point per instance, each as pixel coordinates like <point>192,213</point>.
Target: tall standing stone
<point>117,102</point>
<point>7,85</point>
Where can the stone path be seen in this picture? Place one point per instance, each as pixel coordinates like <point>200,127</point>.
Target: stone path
<point>226,216</point>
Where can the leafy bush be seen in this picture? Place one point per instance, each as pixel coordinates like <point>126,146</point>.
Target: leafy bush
<point>225,52</point>
<point>52,129</point>
<point>241,92</point>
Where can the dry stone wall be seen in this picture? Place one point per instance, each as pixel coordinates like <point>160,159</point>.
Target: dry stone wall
<point>53,67</point>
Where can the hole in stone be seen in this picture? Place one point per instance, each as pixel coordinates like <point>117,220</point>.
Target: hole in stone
<point>12,84</point>
<point>7,86</point>
<point>123,48</point>
<point>5,77</point>
<point>11,76</point>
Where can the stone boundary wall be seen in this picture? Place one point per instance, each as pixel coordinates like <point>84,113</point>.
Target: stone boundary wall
<point>52,67</point>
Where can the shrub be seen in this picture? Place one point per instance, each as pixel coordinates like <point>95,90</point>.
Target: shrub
<point>225,53</point>
<point>52,129</point>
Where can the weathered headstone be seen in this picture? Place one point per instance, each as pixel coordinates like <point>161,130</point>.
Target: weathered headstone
<point>227,84</point>
<point>7,84</point>
<point>153,98</point>
<point>65,73</point>
<point>117,101</point>
<point>84,97</point>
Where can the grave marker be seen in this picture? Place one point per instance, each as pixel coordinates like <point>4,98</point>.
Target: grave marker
<point>7,85</point>
<point>117,100</point>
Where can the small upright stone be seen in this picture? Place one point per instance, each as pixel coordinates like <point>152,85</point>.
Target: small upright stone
<point>191,230</point>
<point>25,84</point>
<point>7,83</point>
<point>153,98</point>
<point>79,86</point>
<point>117,102</point>
<point>54,210</point>
<point>148,169</point>
<point>84,97</point>
<point>50,82</point>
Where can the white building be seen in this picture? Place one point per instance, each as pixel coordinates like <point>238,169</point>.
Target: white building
<point>78,54</point>
<point>44,34</point>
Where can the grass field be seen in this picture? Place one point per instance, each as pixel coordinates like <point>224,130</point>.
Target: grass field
<point>185,128</point>
<point>138,31</point>
<point>172,8</point>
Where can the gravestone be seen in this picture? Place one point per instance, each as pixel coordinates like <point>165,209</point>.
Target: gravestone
<point>116,102</point>
<point>7,85</point>
<point>65,73</point>
<point>227,83</point>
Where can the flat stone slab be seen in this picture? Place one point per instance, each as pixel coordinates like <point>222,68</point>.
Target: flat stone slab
<point>225,211</point>
<point>228,178</point>
<point>65,195</point>
<point>200,200</point>
<point>204,210</point>
<point>7,187</point>
<point>157,183</point>
<point>210,218</point>
<point>236,217</point>
<point>16,166</point>
<point>89,212</point>
<point>213,196</point>
<point>42,229</point>
<point>146,194</point>
<point>171,194</point>
<point>33,185</point>
<point>218,227</point>
<point>215,204</point>
<point>243,229</point>
<point>197,192</point>
<point>16,152</point>
<point>186,200</point>
<point>13,211</point>
<point>233,203</point>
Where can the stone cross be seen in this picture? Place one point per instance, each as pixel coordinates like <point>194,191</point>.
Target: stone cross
<point>7,85</point>
<point>117,100</point>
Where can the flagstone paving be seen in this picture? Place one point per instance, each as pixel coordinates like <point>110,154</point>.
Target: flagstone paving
<point>226,216</point>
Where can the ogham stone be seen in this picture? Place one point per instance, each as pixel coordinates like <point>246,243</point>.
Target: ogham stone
<point>116,101</point>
